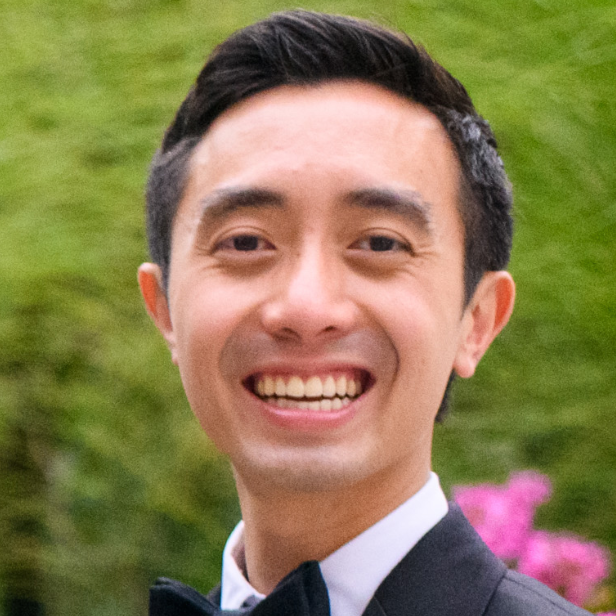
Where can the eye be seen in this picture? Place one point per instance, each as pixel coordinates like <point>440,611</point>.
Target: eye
<point>380,243</point>
<point>245,243</point>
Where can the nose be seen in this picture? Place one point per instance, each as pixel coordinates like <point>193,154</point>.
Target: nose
<point>310,304</point>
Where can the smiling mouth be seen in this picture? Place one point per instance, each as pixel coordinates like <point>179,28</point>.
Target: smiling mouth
<point>329,392</point>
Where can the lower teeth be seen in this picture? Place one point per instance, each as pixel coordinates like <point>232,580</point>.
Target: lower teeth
<point>325,404</point>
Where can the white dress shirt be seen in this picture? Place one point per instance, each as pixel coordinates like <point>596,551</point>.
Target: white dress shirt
<point>353,572</point>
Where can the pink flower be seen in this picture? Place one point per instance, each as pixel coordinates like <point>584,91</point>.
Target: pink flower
<point>565,563</point>
<point>503,515</point>
<point>529,487</point>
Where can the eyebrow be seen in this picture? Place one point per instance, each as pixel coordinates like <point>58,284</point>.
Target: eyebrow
<point>225,201</point>
<point>406,203</point>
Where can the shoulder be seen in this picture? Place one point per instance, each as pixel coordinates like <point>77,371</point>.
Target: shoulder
<point>519,595</point>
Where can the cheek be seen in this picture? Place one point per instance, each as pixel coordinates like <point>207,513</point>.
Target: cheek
<point>208,310</point>
<point>421,322</point>
<point>405,309</point>
<point>204,319</point>
<point>201,332</point>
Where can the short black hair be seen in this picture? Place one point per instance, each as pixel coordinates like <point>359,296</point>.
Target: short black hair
<point>303,48</point>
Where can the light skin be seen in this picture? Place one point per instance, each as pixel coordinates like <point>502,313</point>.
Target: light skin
<point>319,234</point>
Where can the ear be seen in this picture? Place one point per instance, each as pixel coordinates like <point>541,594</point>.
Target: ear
<point>483,319</point>
<point>151,285</point>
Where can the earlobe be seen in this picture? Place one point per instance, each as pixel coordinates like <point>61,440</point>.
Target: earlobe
<point>484,318</point>
<point>155,298</point>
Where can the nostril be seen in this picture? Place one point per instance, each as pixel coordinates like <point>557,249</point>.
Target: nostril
<point>286,333</point>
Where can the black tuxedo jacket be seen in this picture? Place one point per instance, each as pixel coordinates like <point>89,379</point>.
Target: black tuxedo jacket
<point>450,572</point>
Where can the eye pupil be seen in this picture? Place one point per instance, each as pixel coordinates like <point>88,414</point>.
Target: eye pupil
<point>381,243</point>
<point>246,242</point>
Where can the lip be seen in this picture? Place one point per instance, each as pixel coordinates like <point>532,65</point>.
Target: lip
<point>306,420</point>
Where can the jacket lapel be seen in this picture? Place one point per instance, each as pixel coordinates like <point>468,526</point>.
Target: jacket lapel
<point>214,595</point>
<point>168,597</point>
<point>450,572</point>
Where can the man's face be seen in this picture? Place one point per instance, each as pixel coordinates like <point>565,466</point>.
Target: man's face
<point>316,287</point>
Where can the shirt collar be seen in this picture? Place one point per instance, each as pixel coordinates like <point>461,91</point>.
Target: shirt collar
<point>353,572</point>
<point>235,588</point>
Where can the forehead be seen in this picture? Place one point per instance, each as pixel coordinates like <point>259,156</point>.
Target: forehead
<point>325,139</point>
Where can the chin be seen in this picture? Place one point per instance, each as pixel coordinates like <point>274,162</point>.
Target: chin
<point>319,469</point>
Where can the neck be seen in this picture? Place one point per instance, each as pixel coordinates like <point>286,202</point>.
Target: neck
<point>283,529</point>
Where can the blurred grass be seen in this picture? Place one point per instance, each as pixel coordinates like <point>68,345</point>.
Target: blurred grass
<point>131,489</point>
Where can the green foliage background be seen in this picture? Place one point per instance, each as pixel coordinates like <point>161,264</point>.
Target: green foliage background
<point>106,480</point>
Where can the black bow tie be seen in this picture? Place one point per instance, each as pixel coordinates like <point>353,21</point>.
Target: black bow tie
<point>301,593</point>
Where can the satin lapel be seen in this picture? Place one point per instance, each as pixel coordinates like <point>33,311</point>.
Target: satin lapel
<point>214,595</point>
<point>171,598</point>
<point>374,609</point>
<point>450,572</point>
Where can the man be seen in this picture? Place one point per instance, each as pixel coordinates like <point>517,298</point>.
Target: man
<point>329,223</point>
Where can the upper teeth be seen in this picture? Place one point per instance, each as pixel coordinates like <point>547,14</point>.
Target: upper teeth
<point>312,387</point>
